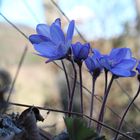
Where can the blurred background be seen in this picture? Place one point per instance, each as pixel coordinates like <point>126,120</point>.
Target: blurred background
<point>106,24</point>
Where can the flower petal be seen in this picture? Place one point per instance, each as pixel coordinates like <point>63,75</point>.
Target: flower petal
<point>128,54</point>
<point>36,39</point>
<point>58,22</point>
<point>80,51</point>
<point>90,64</point>
<point>127,64</point>
<point>133,73</point>
<point>76,48</point>
<point>70,31</point>
<point>46,49</point>
<point>118,54</point>
<point>84,51</point>
<point>104,61</point>
<point>43,29</point>
<point>62,50</point>
<point>121,72</point>
<point>96,53</point>
<point>57,34</point>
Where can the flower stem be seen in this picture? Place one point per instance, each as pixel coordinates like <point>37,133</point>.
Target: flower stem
<point>81,88</point>
<point>105,90</point>
<point>67,79</point>
<point>101,114</point>
<point>106,81</point>
<point>127,109</point>
<point>92,99</point>
<point>73,90</point>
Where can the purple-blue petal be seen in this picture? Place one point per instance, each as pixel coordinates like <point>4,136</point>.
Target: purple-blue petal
<point>46,49</point>
<point>36,39</point>
<point>117,51</point>
<point>121,72</point>
<point>80,51</point>
<point>104,61</point>
<point>57,34</point>
<point>90,64</point>
<point>127,64</point>
<point>128,54</point>
<point>43,29</point>
<point>70,31</point>
<point>62,50</point>
<point>133,73</point>
<point>76,48</point>
<point>57,22</point>
<point>96,53</point>
<point>117,54</point>
<point>84,52</point>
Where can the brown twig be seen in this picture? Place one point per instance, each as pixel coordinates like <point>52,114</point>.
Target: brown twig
<point>74,113</point>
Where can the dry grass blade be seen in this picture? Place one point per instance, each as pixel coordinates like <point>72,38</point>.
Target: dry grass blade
<point>77,114</point>
<point>13,26</point>
<point>17,72</point>
<point>127,94</point>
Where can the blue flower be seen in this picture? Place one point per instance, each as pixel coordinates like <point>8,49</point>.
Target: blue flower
<point>92,63</point>
<point>80,51</point>
<point>138,67</point>
<point>119,62</point>
<point>50,41</point>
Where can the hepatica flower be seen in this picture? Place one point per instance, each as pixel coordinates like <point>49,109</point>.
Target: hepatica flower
<point>80,51</point>
<point>119,62</point>
<point>92,63</point>
<point>50,41</point>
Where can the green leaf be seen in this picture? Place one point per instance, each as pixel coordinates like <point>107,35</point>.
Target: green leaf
<point>78,130</point>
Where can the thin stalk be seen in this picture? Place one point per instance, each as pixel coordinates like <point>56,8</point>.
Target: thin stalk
<point>127,109</point>
<point>67,79</point>
<point>14,26</point>
<point>105,90</point>
<point>92,100</point>
<point>74,113</point>
<point>17,72</point>
<point>73,89</point>
<point>101,115</point>
<point>106,81</point>
<point>81,87</point>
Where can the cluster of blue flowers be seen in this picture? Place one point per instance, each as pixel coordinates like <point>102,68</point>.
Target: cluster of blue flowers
<point>50,42</point>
